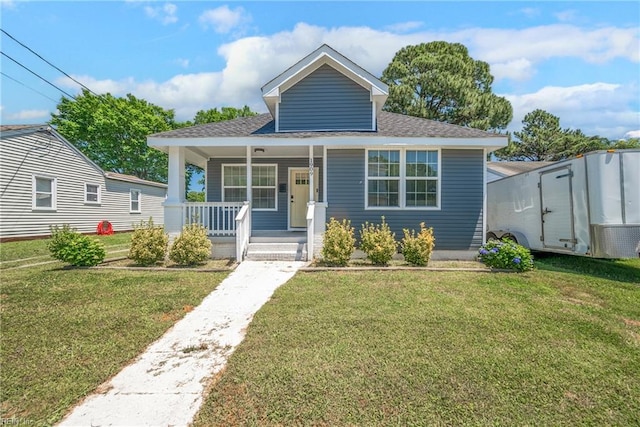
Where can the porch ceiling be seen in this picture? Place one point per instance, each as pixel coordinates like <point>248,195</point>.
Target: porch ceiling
<point>200,155</point>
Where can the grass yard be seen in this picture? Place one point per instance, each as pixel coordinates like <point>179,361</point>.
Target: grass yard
<point>13,254</point>
<point>556,346</point>
<point>65,331</point>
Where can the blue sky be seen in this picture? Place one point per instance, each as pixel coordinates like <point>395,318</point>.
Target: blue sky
<point>577,60</point>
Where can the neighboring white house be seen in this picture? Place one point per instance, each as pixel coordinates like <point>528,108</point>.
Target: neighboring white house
<point>46,181</point>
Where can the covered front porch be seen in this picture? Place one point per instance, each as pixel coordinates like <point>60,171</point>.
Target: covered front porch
<point>256,197</point>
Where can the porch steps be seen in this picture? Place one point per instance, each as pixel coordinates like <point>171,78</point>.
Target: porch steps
<point>279,251</point>
<point>277,246</point>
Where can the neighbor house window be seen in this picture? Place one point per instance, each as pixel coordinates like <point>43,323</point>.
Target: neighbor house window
<point>135,197</point>
<point>263,185</point>
<point>403,178</point>
<point>92,193</point>
<point>43,193</point>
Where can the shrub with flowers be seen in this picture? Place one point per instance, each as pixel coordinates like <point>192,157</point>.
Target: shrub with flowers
<point>506,254</point>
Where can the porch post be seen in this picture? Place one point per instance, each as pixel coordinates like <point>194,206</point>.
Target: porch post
<point>324,174</point>
<point>249,176</point>
<point>311,177</point>
<point>175,191</point>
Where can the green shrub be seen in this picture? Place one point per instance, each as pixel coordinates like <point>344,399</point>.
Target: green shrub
<point>339,243</point>
<point>506,254</point>
<point>378,242</point>
<point>417,249</point>
<point>148,243</point>
<point>192,246</point>
<point>67,245</point>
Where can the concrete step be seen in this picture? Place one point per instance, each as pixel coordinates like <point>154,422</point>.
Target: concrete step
<point>278,237</point>
<point>277,251</point>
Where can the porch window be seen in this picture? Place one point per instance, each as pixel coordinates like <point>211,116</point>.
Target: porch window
<point>263,185</point>
<point>43,196</point>
<point>403,178</point>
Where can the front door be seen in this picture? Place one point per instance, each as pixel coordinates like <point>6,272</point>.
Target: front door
<point>557,209</point>
<point>299,196</point>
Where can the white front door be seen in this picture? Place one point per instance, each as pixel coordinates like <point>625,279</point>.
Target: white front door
<point>299,196</point>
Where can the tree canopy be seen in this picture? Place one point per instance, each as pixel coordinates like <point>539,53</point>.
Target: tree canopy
<point>440,81</point>
<point>225,113</point>
<point>113,132</point>
<point>542,139</point>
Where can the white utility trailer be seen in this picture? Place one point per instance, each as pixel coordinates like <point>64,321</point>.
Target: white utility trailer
<point>588,205</point>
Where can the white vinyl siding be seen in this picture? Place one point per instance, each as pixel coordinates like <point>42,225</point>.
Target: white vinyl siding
<point>403,179</point>
<point>135,200</point>
<point>92,194</point>
<point>263,185</point>
<point>44,193</point>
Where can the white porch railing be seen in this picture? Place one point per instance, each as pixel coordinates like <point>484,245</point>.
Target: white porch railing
<point>219,218</point>
<point>243,231</point>
<point>311,215</point>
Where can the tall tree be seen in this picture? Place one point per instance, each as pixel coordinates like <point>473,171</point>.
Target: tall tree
<point>113,132</point>
<point>542,139</point>
<point>440,81</point>
<point>225,113</point>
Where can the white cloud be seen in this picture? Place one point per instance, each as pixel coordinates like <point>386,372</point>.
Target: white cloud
<point>223,19</point>
<point>8,4</point>
<point>404,27</point>
<point>166,13</point>
<point>566,15</point>
<point>184,63</point>
<point>516,69</point>
<point>633,134</point>
<point>28,115</point>
<point>597,109</point>
<point>530,12</point>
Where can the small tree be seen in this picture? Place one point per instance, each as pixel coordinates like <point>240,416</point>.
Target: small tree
<point>378,242</point>
<point>339,243</point>
<point>69,246</point>
<point>148,243</point>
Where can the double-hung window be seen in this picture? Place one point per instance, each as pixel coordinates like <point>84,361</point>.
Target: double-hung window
<point>92,193</point>
<point>43,194</point>
<point>135,198</point>
<point>263,185</point>
<point>403,179</point>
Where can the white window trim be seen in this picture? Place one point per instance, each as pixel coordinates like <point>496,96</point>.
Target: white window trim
<point>275,187</point>
<point>402,196</point>
<point>54,193</point>
<point>91,202</point>
<point>131,190</point>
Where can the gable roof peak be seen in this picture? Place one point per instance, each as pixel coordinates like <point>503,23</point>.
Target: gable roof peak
<point>324,54</point>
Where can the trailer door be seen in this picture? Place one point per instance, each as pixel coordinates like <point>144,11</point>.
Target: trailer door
<point>557,209</point>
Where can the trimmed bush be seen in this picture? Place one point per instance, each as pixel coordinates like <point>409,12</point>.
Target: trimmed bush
<point>378,242</point>
<point>67,245</point>
<point>339,243</point>
<point>148,243</point>
<point>506,254</point>
<point>417,249</point>
<point>192,246</point>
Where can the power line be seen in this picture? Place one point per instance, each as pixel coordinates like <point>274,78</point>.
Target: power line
<point>28,87</point>
<point>37,75</point>
<point>39,56</point>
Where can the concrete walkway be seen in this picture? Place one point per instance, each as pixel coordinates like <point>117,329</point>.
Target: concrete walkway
<point>164,386</point>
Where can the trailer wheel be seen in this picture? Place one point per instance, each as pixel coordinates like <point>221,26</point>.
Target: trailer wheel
<point>492,236</point>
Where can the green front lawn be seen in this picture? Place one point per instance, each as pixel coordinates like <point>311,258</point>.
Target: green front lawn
<point>556,346</point>
<point>64,332</point>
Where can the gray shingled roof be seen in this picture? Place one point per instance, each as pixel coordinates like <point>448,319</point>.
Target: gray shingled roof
<point>132,179</point>
<point>389,125</point>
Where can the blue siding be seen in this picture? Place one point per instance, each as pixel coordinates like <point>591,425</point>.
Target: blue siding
<point>325,100</point>
<point>262,220</point>
<point>457,226</point>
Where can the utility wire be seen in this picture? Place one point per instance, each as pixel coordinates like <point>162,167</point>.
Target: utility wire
<point>37,75</point>
<point>28,87</point>
<point>39,56</point>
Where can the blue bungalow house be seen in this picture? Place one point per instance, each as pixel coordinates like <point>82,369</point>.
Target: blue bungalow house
<point>327,149</point>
